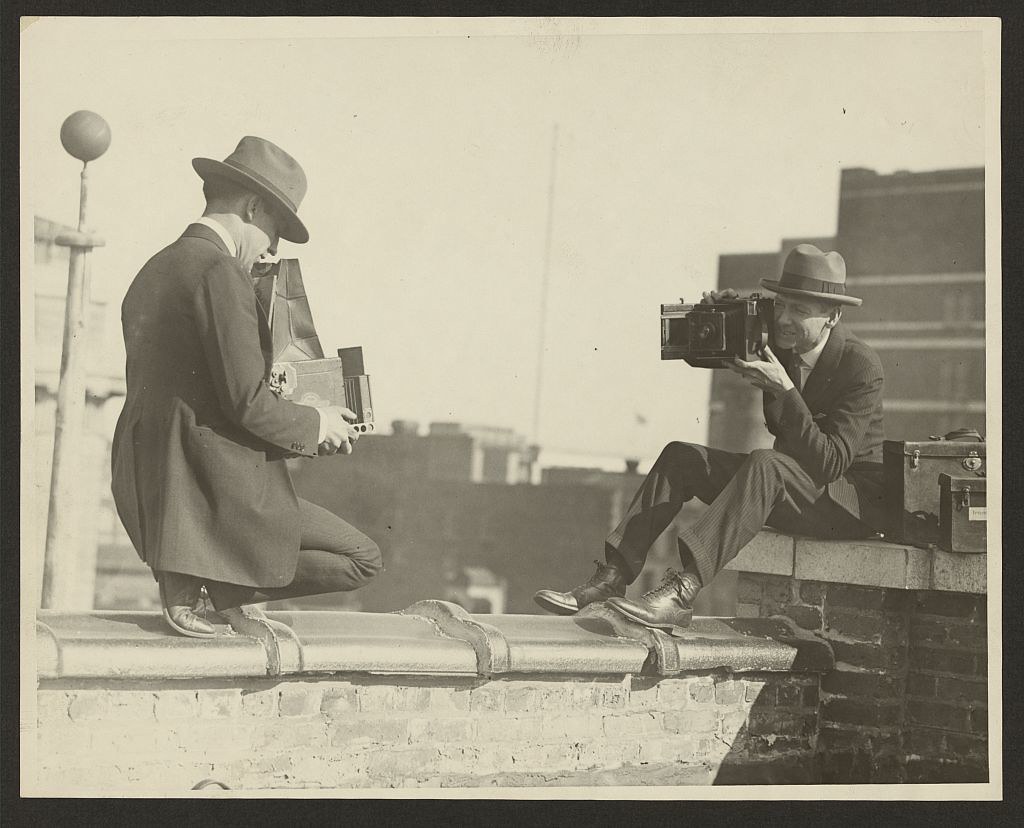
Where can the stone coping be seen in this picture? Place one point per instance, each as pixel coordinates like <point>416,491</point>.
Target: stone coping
<point>875,563</point>
<point>428,638</point>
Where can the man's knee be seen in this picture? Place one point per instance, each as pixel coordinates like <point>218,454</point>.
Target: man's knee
<point>368,557</point>
<point>765,457</point>
<point>767,463</point>
<point>678,453</point>
<point>352,563</point>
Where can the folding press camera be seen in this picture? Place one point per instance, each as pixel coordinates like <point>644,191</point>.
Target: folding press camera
<point>300,372</point>
<point>711,336</point>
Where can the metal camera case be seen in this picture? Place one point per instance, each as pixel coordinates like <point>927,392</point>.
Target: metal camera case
<point>712,335</point>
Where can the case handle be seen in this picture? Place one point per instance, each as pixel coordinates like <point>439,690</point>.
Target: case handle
<point>961,435</point>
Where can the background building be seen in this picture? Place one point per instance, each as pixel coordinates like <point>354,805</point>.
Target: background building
<point>914,246</point>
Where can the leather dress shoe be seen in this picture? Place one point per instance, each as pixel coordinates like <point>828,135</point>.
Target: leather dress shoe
<point>608,582</point>
<point>180,596</point>
<point>669,606</point>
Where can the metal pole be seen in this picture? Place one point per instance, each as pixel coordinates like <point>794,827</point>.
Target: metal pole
<point>544,288</point>
<point>85,136</point>
<point>60,574</point>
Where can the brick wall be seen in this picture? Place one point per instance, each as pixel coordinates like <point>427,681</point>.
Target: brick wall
<point>907,701</point>
<point>361,731</point>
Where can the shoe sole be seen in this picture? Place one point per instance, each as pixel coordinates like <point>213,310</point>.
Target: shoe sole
<point>549,604</point>
<point>679,631</point>
<point>177,627</point>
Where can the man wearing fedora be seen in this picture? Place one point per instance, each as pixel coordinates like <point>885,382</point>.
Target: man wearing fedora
<point>198,466</point>
<point>822,399</point>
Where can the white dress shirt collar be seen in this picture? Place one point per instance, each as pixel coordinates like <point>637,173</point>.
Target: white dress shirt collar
<point>221,231</point>
<point>810,359</point>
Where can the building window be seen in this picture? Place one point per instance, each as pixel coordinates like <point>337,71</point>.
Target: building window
<point>945,380</point>
<point>958,305</point>
<point>495,464</point>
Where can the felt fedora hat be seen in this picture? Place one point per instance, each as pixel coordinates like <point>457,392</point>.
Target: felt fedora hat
<point>810,272</point>
<point>268,170</point>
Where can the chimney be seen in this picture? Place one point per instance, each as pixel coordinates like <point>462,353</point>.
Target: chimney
<point>405,427</point>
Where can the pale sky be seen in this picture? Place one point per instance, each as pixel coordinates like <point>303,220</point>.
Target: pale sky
<point>428,149</point>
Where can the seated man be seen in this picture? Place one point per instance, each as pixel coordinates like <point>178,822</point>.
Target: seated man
<point>822,398</point>
<point>198,457</point>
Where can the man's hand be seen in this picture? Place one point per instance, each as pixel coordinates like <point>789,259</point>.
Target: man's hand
<point>768,375</point>
<point>711,297</point>
<point>339,436</point>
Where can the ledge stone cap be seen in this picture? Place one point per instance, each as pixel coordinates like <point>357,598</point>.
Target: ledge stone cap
<point>136,645</point>
<point>739,645</point>
<point>428,638</point>
<point>874,563</point>
<point>139,645</point>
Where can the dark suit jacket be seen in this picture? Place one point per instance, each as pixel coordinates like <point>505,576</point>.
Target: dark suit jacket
<point>198,465</point>
<point>833,428</point>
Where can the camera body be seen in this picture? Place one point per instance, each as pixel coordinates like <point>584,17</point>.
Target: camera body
<point>300,372</point>
<point>337,380</point>
<point>711,336</point>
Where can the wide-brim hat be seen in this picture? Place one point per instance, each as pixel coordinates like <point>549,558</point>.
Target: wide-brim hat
<point>268,170</point>
<point>810,272</point>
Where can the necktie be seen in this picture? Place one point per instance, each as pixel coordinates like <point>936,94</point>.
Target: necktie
<point>795,363</point>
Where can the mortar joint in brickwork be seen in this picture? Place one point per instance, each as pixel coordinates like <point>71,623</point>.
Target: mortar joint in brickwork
<point>945,621</point>
<point>846,667</point>
<point>833,635</point>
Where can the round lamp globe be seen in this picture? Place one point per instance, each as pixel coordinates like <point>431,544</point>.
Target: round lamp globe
<point>85,135</point>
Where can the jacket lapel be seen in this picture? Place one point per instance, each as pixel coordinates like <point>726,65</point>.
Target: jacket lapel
<point>264,287</point>
<point>786,357</point>
<point>266,337</point>
<point>201,231</point>
<point>824,369</point>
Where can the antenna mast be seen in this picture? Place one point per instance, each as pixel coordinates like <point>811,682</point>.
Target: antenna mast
<point>544,288</point>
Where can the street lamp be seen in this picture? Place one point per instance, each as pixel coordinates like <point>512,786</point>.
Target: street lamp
<point>86,136</point>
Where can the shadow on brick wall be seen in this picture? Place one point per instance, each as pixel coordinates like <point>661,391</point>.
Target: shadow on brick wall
<point>908,698</point>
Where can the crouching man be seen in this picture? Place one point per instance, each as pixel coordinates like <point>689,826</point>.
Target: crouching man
<point>199,474</point>
<point>822,399</point>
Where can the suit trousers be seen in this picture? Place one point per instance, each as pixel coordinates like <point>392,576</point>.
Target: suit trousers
<point>334,556</point>
<point>743,493</point>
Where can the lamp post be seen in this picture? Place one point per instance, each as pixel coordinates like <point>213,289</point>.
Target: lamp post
<point>86,136</point>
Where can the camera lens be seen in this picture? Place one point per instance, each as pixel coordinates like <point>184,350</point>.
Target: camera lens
<point>706,332</point>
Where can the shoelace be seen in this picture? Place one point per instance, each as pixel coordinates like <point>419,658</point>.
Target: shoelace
<point>204,602</point>
<point>596,577</point>
<point>670,584</point>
